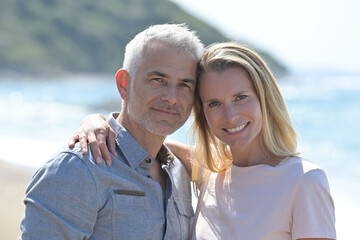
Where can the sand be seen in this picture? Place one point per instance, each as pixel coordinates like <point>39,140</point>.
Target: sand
<point>13,182</point>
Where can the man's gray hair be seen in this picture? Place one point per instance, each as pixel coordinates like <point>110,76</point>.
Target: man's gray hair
<point>178,36</point>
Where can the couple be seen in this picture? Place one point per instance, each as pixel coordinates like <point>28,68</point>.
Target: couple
<point>252,184</point>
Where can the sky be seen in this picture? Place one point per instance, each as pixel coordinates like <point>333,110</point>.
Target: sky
<point>306,35</point>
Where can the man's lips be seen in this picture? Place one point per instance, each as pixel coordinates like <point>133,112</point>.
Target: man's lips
<point>168,112</point>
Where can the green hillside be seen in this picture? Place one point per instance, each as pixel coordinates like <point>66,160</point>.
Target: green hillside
<point>52,36</point>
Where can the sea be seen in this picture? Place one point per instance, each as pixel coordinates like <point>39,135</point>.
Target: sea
<point>38,115</point>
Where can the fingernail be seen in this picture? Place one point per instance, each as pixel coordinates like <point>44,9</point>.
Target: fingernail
<point>98,160</point>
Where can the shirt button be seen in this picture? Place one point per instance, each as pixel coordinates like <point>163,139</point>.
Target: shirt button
<point>148,160</point>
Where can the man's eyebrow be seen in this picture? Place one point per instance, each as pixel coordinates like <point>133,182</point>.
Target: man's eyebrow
<point>189,80</point>
<point>160,74</point>
<point>156,73</point>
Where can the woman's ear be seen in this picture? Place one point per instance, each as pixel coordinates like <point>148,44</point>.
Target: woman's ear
<point>123,83</point>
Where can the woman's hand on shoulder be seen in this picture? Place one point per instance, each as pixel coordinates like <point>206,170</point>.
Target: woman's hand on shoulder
<point>95,130</point>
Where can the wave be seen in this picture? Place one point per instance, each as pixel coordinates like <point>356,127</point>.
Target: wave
<point>319,87</point>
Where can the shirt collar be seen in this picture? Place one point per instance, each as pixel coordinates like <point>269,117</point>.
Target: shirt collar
<point>131,149</point>
<point>165,156</point>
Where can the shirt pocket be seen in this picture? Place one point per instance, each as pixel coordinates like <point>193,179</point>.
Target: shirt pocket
<point>185,215</point>
<point>131,215</point>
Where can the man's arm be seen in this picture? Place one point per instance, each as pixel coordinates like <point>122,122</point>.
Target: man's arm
<point>61,201</point>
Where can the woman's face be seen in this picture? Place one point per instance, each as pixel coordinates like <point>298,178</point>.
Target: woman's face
<point>231,106</point>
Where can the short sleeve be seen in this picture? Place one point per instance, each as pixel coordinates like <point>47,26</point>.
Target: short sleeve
<point>313,214</point>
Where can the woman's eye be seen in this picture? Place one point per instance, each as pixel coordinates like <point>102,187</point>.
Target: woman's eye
<point>213,104</point>
<point>240,97</point>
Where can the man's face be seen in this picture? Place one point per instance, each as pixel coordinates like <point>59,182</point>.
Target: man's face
<point>162,91</point>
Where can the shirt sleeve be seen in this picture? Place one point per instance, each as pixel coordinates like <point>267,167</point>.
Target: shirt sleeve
<point>61,201</point>
<point>313,209</point>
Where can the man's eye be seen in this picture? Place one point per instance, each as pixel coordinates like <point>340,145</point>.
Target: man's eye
<point>185,85</point>
<point>157,81</point>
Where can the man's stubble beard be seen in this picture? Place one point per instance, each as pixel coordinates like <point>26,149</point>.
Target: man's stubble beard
<point>144,118</point>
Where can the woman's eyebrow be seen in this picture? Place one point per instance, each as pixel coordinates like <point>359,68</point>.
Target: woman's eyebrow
<point>234,95</point>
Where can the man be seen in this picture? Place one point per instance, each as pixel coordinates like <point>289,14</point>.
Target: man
<point>146,193</point>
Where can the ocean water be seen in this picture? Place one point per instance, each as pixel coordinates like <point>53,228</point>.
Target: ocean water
<point>37,116</point>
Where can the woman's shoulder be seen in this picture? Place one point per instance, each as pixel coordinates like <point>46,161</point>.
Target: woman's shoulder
<point>301,167</point>
<point>304,173</point>
<point>298,163</point>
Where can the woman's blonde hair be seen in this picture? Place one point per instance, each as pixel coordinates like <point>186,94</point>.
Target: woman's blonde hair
<point>277,134</point>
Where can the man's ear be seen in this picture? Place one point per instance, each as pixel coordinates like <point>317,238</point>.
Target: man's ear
<point>123,83</point>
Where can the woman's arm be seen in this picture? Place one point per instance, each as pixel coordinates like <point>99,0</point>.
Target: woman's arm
<point>313,207</point>
<point>95,130</point>
<point>182,152</point>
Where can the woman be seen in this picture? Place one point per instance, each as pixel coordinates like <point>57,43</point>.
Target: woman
<point>251,181</point>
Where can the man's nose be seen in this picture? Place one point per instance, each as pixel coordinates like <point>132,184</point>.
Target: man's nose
<point>170,95</point>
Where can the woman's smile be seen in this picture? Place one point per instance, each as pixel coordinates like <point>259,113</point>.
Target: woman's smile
<point>236,130</point>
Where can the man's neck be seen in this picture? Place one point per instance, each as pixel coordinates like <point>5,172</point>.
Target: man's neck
<point>150,142</point>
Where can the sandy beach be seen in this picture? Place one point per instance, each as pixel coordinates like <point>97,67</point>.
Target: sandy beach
<point>13,181</point>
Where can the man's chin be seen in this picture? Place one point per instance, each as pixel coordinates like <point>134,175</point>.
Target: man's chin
<point>163,130</point>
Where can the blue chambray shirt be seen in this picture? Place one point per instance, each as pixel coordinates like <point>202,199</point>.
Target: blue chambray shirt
<point>71,197</point>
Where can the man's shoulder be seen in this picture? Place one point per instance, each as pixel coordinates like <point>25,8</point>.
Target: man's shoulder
<point>70,161</point>
<point>66,171</point>
<point>76,153</point>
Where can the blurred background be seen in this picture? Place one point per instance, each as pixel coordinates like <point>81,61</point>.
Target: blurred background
<point>58,59</point>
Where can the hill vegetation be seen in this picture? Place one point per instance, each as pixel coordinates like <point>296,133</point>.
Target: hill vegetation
<point>53,36</point>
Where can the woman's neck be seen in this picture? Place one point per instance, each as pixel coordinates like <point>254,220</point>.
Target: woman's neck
<point>251,156</point>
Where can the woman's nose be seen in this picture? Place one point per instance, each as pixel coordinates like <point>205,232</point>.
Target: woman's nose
<point>231,114</point>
